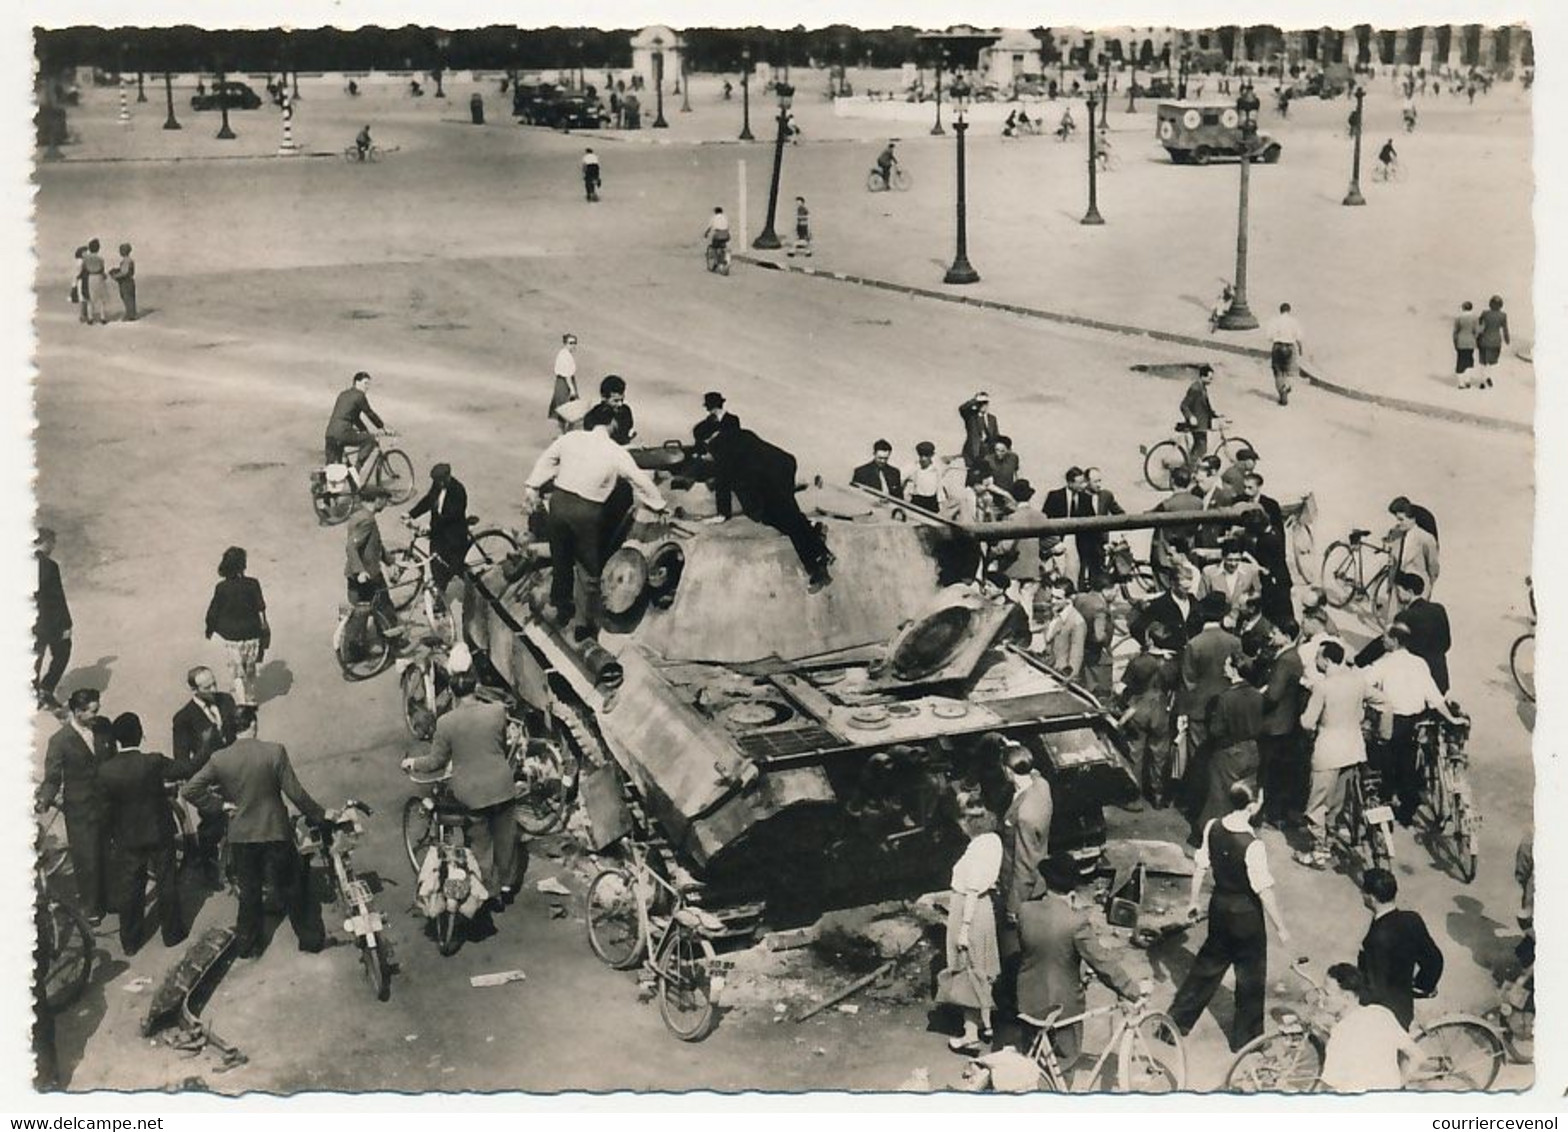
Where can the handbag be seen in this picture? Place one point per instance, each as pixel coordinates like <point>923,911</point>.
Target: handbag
<point>960,986</point>
<point>76,293</point>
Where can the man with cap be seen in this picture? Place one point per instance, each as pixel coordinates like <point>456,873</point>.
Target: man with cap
<point>763,476</point>
<point>880,475</point>
<point>365,555</point>
<point>980,428</point>
<point>924,485</point>
<point>447,505</point>
<point>1234,478</point>
<point>702,433</point>
<point>141,833</point>
<point>1198,414</point>
<point>585,466</point>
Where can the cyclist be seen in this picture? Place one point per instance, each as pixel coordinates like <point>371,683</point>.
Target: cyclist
<point>1102,149</point>
<point>366,555</point>
<point>717,233</point>
<point>1410,114</point>
<point>885,162</point>
<point>1025,126</point>
<point>1198,414</point>
<point>1010,127</point>
<point>345,428</point>
<point>1388,159</point>
<point>1367,1048</point>
<point>362,142</point>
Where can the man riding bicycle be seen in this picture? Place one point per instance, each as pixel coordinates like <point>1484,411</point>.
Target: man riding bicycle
<point>717,233</point>
<point>362,142</point>
<point>364,559</point>
<point>1387,157</point>
<point>349,413</point>
<point>885,162</point>
<point>1066,126</point>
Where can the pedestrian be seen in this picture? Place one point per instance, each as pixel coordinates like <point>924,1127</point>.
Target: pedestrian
<point>1412,549</point>
<point>1399,961</point>
<point>1231,729</point>
<point>802,244</point>
<point>237,613</point>
<point>95,284</point>
<point>972,952</point>
<point>879,474</point>
<point>1243,894</point>
<point>1198,414</point>
<point>71,765</point>
<point>1065,633</point>
<point>51,623</point>
<point>207,723</point>
<point>1148,684</point>
<point>446,502</point>
<point>1284,768</point>
<point>1240,582</point>
<point>1204,661</point>
<point>980,429</point>
<point>1094,603</point>
<point>1494,335</point>
<point>124,277</point>
<point>1071,501</point>
<point>254,778</point>
<point>1367,1050</point>
<point>924,487</point>
<point>1427,621</point>
<point>1234,478</point>
<point>1177,610</point>
<point>763,476</point>
<point>585,467</point>
<point>1026,833</point>
<point>470,739</point>
<point>1334,711</point>
<point>141,834</point>
<point>591,174</point>
<point>564,396</point>
<point>79,286</point>
<point>1405,692</point>
<point>1467,331</point>
<point>1018,559</point>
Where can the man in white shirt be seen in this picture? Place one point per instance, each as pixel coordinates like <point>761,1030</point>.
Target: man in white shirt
<point>1405,684</point>
<point>1368,1050</point>
<point>1234,577</point>
<point>1334,712</point>
<point>1285,350</point>
<point>585,466</point>
<point>717,233</point>
<point>591,174</point>
<point>565,381</point>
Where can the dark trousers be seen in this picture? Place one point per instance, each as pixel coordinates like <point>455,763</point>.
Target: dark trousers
<point>374,594</point>
<point>128,298</point>
<point>1236,939</point>
<point>575,527</point>
<point>1284,773</point>
<point>1149,737</point>
<point>779,510</point>
<point>591,187</point>
<point>494,842</point>
<point>1463,359</point>
<point>47,679</point>
<point>89,858</point>
<point>253,861</point>
<point>1226,766</point>
<point>334,448</point>
<point>1199,449</point>
<point>130,869</point>
<point>1398,767</point>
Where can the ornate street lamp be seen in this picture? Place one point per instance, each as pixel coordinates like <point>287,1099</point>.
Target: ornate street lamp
<point>171,122</point>
<point>937,130</point>
<point>1181,76</point>
<point>141,94</point>
<point>658,86</point>
<point>1132,88</point>
<point>1105,93</point>
<point>1240,316</point>
<point>745,94</point>
<point>769,240</point>
<point>224,133</point>
<point>1353,195</point>
<point>1092,215</point>
<point>961,271</point>
<point>577,49</point>
<point>685,84</point>
<point>443,41</point>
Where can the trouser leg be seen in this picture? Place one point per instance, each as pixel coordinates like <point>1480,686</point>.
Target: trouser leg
<point>250,865</point>
<point>171,913</point>
<point>1208,968</point>
<point>293,883</point>
<point>1251,959</point>
<point>129,890</point>
<point>502,823</point>
<point>1406,783</point>
<point>59,650</point>
<point>88,860</point>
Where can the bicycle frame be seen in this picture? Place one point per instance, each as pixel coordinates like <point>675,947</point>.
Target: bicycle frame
<point>1043,1054</point>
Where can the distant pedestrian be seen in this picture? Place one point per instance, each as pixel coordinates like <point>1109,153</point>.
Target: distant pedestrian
<point>125,276</point>
<point>591,174</point>
<point>1494,335</point>
<point>802,244</point>
<point>980,429</point>
<point>95,284</point>
<point>238,615</point>
<point>565,392</point>
<point>1285,351</point>
<point>79,286</point>
<point>1467,331</point>
<point>52,623</point>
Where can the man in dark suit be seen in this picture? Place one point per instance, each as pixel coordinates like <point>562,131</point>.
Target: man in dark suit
<point>447,505</point>
<point>1063,502</point>
<point>879,475</point>
<point>1270,546</point>
<point>1284,764</point>
<point>980,429</point>
<point>1177,610</point>
<point>255,777</point>
<point>1026,831</point>
<point>763,476</point>
<point>1430,638</point>
<point>206,722</point>
<point>1203,677</point>
<point>702,434</point>
<point>1198,414</point>
<point>141,834</point>
<point>1095,499</point>
<point>1057,940</point>
<point>1398,959</point>
<point>71,765</point>
<point>52,627</point>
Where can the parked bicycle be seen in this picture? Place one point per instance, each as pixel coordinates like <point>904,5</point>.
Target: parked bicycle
<point>1364,831</point>
<point>66,938</point>
<point>334,841</point>
<point>1146,1043</point>
<point>1445,779</point>
<point>335,487</point>
<point>1161,458</point>
<point>897,179</point>
<point>637,915</point>
<point>1521,657</point>
<point>1356,572</point>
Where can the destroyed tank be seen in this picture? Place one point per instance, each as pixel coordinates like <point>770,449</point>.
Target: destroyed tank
<point>790,747</point>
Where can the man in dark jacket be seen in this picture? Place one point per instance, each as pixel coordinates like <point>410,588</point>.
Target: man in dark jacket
<point>763,476</point>
<point>1198,414</point>
<point>206,722</point>
<point>52,627</point>
<point>980,429</point>
<point>447,505</point>
<point>1430,638</point>
<point>254,778</point>
<point>1398,956</point>
<point>350,413</point>
<point>71,766</point>
<point>879,475</point>
<point>1284,763</point>
<point>141,834</point>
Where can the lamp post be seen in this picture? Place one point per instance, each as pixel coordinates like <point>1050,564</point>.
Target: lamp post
<point>171,122</point>
<point>745,95</point>
<point>1353,195</point>
<point>577,49</point>
<point>1105,97</point>
<point>141,93</point>
<point>224,133</point>
<point>1132,88</point>
<point>937,130</point>
<point>961,271</point>
<point>1181,78</point>
<point>1239,316</point>
<point>685,84</point>
<point>658,90</point>
<point>769,240</point>
<point>443,41</point>
<point>1092,214</point>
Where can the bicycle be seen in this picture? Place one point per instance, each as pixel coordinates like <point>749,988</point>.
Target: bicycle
<point>1390,172</point>
<point>1366,821</point>
<point>1150,1056</point>
<point>333,499</point>
<point>637,917</point>
<point>335,841</point>
<point>1444,768</point>
<point>1160,459</point>
<point>371,155</point>
<point>1108,160</point>
<point>65,937</point>
<point>363,641</point>
<point>897,178</point>
<point>435,836</point>
<point>1290,1058</point>
<point>1463,1053</point>
<point>1355,570</point>
<point>1521,656</point>
<point>717,257</point>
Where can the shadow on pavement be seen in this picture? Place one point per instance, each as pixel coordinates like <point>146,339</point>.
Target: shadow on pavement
<point>1470,927</point>
<point>273,681</point>
<point>96,676</point>
<point>78,1022</point>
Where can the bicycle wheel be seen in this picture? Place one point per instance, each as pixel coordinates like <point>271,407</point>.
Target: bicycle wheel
<point>614,922</point>
<point>363,651</point>
<point>419,714</point>
<point>1153,1059</point>
<point>419,831</point>
<point>685,987</point>
<point>874,182</point>
<point>447,939</point>
<point>394,472</point>
<point>1465,855</point>
<point>1463,1054</point>
<point>1434,784</point>
<point>1341,573</point>
<point>405,578</point>
<point>68,941</point>
<point>488,548</point>
<point>545,774</point>
<point>1378,592</point>
<point>1276,1063</point>
<point>1303,551</point>
<point>711,258</point>
<point>900,179</point>
<point>1159,462</point>
<point>724,263</point>
<point>378,969</point>
<point>1230,446</point>
<point>1521,665</point>
<point>331,508</point>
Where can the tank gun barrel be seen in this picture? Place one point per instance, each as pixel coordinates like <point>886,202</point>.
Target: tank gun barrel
<point>1086,524</point>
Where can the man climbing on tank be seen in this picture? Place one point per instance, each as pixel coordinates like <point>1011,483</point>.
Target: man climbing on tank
<point>762,476</point>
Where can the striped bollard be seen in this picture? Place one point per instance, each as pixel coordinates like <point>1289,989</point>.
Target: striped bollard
<point>288,148</point>
<point>125,106</point>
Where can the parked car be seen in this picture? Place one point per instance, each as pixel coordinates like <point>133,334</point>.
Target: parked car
<point>527,98</point>
<point>238,96</point>
<point>1196,133</point>
<point>1156,87</point>
<point>569,112</point>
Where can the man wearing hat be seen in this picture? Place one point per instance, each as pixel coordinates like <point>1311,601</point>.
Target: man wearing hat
<point>1234,478</point>
<point>141,833</point>
<point>447,505</point>
<point>365,556</point>
<point>702,434</point>
<point>763,476</point>
<point>924,485</point>
<point>980,429</point>
<point>879,475</point>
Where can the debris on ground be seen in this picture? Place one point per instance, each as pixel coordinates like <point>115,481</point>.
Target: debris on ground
<point>557,912</point>
<point>499,978</point>
<point>550,886</point>
<point>791,939</point>
<point>919,1081</point>
<point>137,985</point>
<point>848,1008</point>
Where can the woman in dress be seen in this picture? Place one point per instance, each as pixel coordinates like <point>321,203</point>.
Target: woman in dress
<point>973,958</point>
<point>1493,336</point>
<point>238,614</point>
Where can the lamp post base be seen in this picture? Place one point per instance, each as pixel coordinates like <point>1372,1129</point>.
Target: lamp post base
<point>1092,216</point>
<point>225,134</point>
<point>1238,317</point>
<point>961,272</point>
<point>747,135</point>
<point>1353,196</point>
<point>768,241</point>
<point>937,130</point>
<point>660,124</point>
<point>171,124</point>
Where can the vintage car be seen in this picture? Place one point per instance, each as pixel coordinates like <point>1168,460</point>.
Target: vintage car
<point>1198,133</point>
<point>237,96</point>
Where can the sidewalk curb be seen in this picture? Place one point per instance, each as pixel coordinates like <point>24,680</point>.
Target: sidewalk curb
<point>42,164</point>
<point>639,137</point>
<point>1399,404</point>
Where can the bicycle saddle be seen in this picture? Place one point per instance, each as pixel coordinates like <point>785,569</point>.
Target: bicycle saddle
<point>1358,534</point>
<point>1183,426</point>
<point>1041,1023</point>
